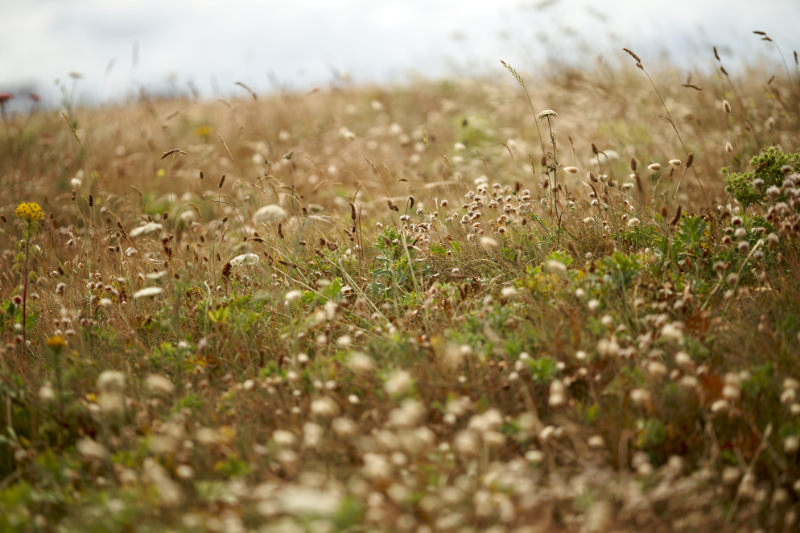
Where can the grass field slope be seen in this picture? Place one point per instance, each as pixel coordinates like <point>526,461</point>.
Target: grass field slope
<point>542,301</point>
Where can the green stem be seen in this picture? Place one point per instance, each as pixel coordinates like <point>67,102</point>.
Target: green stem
<point>25,295</point>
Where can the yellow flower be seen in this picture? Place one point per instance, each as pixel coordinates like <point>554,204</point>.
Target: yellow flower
<point>29,211</point>
<point>56,342</point>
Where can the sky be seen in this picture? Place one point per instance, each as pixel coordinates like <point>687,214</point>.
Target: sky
<point>118,46</point>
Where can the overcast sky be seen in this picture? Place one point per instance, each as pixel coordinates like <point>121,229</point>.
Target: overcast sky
<point>119,45</point>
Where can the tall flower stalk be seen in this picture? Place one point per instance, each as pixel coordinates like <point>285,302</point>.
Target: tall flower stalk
<point>30,213</point>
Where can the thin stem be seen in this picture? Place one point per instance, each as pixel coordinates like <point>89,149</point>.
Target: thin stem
<point>25,294</point>
<point>521,82</point>
<point>554,180</point>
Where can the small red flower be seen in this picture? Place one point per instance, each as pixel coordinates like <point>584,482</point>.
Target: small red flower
<point>5,97</point>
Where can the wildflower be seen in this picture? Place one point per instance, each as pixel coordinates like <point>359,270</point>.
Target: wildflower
<point>557,393</point>
<point>488,243</point>
<point>571,170</point>
<point>146,229</point>
<point>596,442</point>
<point>554,267</point>
<point>398,383</point>
<point>640,397</point>
<point>147,292</point>
<point>407,415</point>
<point>270,213</point>
<point>300,500</point>
<point>360,364</point>
<point>608,347</point>
<point>672,332</point>
<point>344,341</point>
<point>654,167</point>
<point>56,342</point>
<point>184,471</point>
<point>169,492</point>
<point>633,222</point>
<point>466,443</point>
<point>283,438</point>
<point>46,393</point>
<point>91,449</point>
<point>292,296</point>
<point>546,113</point>
<point>244,259</point>
<point>159,385</point>
<point>312,434</point>
<point>675,162</point>
<point>30,211</point>
<point>509,292</point>
<point>773,192</point>
<point>344,427</point>
<point>324,407</point>
<point>5,97</point>
<point>111,381</point>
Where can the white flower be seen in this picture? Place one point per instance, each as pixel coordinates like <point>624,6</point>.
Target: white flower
<point>571,170</point>
<point>159,385</point>
<point>145,229</point>
<point>672,332</point>
<point>244,259</point>
<point>509,292</point>
<point>46,393</point>
<point>91,449</point>
<point>554,267</point>
<point>640,397</point>
<point>292,296</point>
<point>360,364</point>
<point>111,381</point>
<point>147,292</point>
<point>324,407</point>
<point>270,213</point>
<point>398,383</point>
<point>488,243</point>
<point>284,438</point>
<point>300,500</point>
<point>547,113</point>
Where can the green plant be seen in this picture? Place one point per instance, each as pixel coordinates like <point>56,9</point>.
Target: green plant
<point>768,169</point>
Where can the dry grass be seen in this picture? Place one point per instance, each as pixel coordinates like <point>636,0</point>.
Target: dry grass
<point>356,309</point>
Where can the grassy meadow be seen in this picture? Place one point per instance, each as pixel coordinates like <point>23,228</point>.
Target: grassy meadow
<point>559,301</point>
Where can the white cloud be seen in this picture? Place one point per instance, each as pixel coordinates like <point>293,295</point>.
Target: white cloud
<point>302,42</point>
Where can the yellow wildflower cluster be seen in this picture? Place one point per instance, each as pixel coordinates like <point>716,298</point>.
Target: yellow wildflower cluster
<point>29,211</point>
